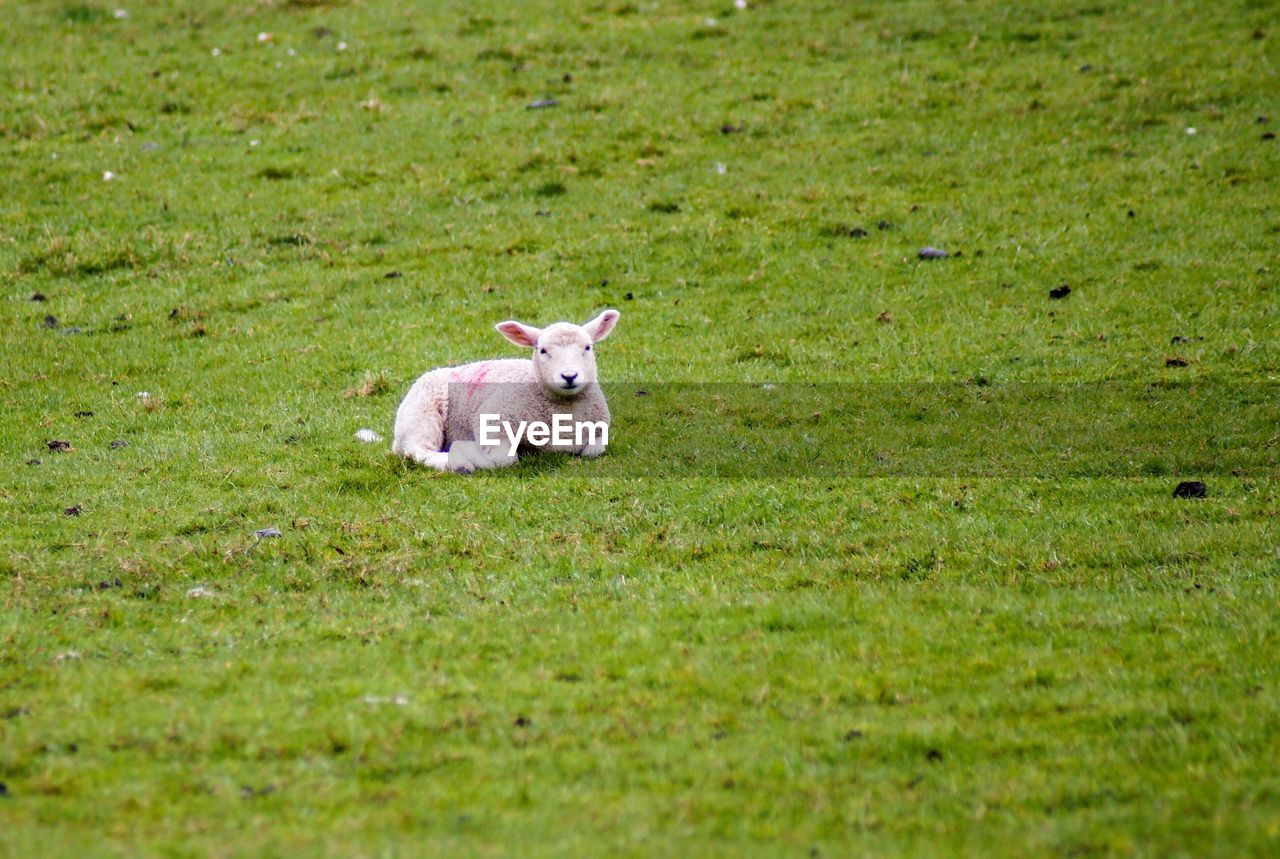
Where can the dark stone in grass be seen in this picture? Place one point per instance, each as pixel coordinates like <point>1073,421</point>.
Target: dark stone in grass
<point>542,213</point>
<point>38,296</point>
<point>13,713</point>
<point>84,414</point>
<point>642,393</point>
<point>119,443</point>
<point>1269,135</point>
<point>106,585</point>
<point>567,78</point>
<point>932,253</point>
<point>72,329</point>
<point>1060,291</point>
<point>321,32</point>
<point>542,104</point>
<point>522,722</point>
<point>1132,213</point>
<point>58,445</point>
<point>853,735</point>
<point>392,275</point>
<point>249,792</point>
<point>267,533</point>
<point>1086,68</point>
<point>73,510</point>
<point>4,790</point>
<point>1176,361</point>
<point>933,755</point>
<point>857,233</point>
<point>730,129</point>
<point>33,462</point>
<point>883,225</point>
<point>51,321</point>
<point>628,297</point>
<point>1262,120</point>
<point>1190,489</point>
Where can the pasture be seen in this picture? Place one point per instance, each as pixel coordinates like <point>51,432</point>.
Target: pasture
<point>231,235</point>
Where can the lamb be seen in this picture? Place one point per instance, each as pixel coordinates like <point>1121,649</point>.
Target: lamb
<point>450,418</point>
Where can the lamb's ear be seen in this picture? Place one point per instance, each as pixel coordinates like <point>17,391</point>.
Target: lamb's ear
<point>519,333</point>
<point>600,327</point>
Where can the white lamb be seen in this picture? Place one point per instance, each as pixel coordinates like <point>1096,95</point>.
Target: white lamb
<point>448,411</point>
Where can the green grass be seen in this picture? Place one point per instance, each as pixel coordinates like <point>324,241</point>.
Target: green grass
<point>564,658</point>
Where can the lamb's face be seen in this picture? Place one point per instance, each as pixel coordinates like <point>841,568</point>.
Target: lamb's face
<point>564,360</point>
<point>564,357</point>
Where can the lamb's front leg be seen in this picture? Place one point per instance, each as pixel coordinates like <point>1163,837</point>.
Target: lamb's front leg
<point>592,434</point>
<point>591,451</point>
<point>468,456</point>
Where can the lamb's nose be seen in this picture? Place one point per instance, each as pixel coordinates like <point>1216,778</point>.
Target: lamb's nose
<point>568,377</point>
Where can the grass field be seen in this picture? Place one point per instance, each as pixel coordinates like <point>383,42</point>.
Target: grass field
<point>248,246</point>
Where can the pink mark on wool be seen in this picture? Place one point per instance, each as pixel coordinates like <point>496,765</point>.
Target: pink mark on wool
<point>473,378</point>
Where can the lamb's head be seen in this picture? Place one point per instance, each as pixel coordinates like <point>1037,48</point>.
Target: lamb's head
<point>563,358</point>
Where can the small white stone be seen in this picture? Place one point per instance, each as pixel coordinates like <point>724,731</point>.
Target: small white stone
<point>217,52</point>
<point>107,176</point>
<point>279,65</point>
<point>66,655</point>
<point>721,169</point>
<point>342,46</point>
<point>199,591</point>
<point>368,436</point>
<point>253,142</point>
<point>398,700</point>
<point>292,52</point>
<point>739,4</point>
<point>144,395</point>
<point>120,14</point>
<point>710,22</point>
<point>264,37</point>
<point>1190,131</point>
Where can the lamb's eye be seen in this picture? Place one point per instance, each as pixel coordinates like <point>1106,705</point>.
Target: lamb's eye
<point>543,351</point>
<point>588,349</point>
